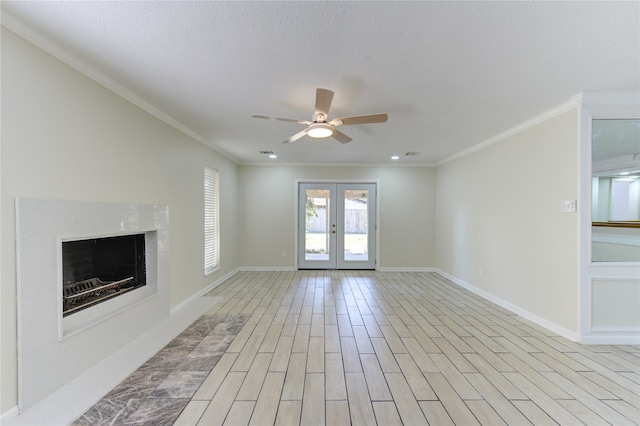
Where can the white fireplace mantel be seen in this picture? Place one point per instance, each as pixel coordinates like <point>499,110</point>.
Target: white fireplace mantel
<point>53,351</point>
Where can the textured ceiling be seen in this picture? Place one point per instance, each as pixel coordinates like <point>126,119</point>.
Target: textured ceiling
<point>449,74</point>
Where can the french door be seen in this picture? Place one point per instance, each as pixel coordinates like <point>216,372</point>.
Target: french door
<point>336,225</point>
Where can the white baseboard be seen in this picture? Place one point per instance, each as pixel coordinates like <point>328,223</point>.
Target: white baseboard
<point>405,269</point>
<point>267,268</point>
<point>513,308</point>
<point>71,401</point>
<point>204,291</point>
<point>9,415</point>
<point>291,268</point>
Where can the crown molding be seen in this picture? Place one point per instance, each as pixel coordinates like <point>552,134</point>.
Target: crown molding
<point>302,164</point>
<point>560,109</point>
<point>221,151</point>
<point>18,27</point>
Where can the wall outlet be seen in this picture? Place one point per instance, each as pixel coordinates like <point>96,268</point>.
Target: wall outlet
<point>284,253</point>
<point>568,206</point>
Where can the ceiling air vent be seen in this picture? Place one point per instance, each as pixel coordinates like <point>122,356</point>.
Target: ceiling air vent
<point>266,152</point>
<point>411,153</point>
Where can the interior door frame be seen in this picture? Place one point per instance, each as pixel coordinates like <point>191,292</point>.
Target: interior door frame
<point>296,199</point>
<point>595,106</point>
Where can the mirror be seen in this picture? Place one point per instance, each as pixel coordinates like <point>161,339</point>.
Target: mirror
<point>615,190</point>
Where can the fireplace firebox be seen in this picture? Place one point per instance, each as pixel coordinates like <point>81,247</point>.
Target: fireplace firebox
<point>98,269</point>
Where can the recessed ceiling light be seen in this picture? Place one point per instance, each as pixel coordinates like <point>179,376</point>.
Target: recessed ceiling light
<point>273,156</point>
<point>395,157</point>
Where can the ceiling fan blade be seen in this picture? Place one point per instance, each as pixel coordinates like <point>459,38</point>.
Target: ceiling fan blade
<point>296,136</point>
<point>323,101</point>
<point>340,137</point>
<point>291,120</point>
<point>362,119</point>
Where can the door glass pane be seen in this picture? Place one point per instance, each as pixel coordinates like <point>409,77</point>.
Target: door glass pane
<point>317,227</point>
<point>615,185</point>
<point>356,221</point>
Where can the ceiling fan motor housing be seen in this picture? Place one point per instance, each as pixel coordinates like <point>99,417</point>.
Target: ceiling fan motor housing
<point>320,118</point>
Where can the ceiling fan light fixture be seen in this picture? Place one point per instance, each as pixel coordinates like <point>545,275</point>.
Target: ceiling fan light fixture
<point>320,127</point>
<point>319,130</point>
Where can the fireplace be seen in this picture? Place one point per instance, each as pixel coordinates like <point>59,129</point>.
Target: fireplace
<point>54,239</point>
<point>98,269</point>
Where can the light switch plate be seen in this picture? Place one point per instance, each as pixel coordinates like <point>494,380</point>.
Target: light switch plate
<point>568,206</point>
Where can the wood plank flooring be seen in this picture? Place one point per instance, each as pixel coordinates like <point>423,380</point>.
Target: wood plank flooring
<point>392,348</point>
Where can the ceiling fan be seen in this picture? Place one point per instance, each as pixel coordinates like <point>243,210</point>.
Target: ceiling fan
<point>320,127</point>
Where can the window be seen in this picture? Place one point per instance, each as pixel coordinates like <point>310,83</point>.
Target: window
<point>210,220</point>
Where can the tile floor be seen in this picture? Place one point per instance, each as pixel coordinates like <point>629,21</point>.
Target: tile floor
<point>386,348</point>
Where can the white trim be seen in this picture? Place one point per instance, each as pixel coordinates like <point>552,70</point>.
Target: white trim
<point>267,268</point>
<point>568,334</point>
<point>72,400</point>
<point>619,329</point>
<point>18,27</point>
<point>297,164</point>
<point>574,102</point>
<point>595,106</point>
<point>615,270</point>
<point>299,180</point>
<point>406,269</point>
<point>294,269</point>
<point>560,109</point>
<point>9,415</point>
<point>609,335</point>
<point>610,338</point>
<point>55,50</point>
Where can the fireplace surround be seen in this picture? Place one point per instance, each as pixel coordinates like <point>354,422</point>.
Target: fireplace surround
<point>54,349</point>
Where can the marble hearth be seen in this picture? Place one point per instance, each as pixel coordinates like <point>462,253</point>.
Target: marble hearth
<point>158,391</point>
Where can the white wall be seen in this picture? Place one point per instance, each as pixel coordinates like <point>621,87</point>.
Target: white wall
<point>499,225</point>
<point>66,137</point>
<point>267,212</point>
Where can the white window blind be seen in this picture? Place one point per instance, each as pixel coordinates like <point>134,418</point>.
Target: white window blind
<point>210,220</point>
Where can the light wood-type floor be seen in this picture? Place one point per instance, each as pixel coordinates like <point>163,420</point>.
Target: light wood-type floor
<point>390,348</point>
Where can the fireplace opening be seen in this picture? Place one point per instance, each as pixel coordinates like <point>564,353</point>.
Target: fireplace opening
<point>98,269</point>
